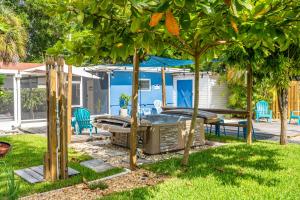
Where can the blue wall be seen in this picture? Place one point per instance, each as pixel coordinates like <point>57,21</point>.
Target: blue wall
<point>120,82</point>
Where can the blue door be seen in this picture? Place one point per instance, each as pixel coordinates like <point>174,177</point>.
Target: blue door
<point>185,93</point>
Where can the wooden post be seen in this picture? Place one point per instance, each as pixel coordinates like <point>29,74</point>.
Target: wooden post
<point>163,86</point>
<point>47,175</point>
<point>63,142</point>
<point>134,102</point>
<point>69,103</point>
<point>249,103</point>
<point>52,124</point>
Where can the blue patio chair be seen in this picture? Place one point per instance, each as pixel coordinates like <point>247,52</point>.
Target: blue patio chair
<point>295,116</point>
<point>83,120</point>
<point>262,111</point>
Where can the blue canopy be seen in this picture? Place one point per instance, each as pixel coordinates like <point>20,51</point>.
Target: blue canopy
<point>155,61</point>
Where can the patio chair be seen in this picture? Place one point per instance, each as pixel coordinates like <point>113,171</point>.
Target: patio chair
<point>83,120</point>
<point>295,116</point>
<point>262,111</point>
<point>158,105</point>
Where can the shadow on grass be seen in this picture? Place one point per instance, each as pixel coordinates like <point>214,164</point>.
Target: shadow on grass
<point>28,150</point>
<point>228,164</point>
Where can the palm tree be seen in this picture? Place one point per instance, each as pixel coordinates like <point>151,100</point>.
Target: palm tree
<point>13,36</point>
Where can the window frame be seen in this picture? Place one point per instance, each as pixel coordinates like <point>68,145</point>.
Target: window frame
<point>150,86</point>
<point>80,94</point>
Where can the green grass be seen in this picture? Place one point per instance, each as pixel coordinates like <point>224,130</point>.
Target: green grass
<point>99,185</point>
<point>28,151</point>
<point>264,170</point>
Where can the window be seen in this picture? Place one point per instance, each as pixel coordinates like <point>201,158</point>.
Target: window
<point>76,94</point>
<point>145,84</point>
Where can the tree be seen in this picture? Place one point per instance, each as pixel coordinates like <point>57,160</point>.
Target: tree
<point>266,30</point>
<point>283,66</point>
<point>13,36</point>
<point>44,30</point>
<point>109,31</point>
<point>203,25</point>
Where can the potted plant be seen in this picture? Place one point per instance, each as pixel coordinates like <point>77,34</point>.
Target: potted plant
<point>124,101</point>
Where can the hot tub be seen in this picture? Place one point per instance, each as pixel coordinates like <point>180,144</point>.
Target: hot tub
<point>170,133</point>
<point>156,133</point>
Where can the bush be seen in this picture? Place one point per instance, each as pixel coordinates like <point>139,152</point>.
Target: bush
<point>6,101</point>
<point>124,100</point>
<point>12,187</point>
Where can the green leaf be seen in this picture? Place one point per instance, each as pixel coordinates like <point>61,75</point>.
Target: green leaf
<point>246,3</point>
<point>185,20</point>
<point>135,24</point>
<point>179,3</point>
<point>233,8</point>
<point>104,4</point>
<point>164,6</point>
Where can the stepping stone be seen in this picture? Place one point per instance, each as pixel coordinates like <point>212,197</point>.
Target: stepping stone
<point>97,165</point>
<point>36,174</point>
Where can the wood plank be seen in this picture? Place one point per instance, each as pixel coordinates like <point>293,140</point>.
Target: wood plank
<point>52,125</point>
<point>38,169</point>
<point>34,174</point>
<point>26,176</point>
<point>63,142</point>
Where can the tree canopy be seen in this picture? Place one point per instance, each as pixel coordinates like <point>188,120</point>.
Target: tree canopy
<point>44,30</point>
<point>13,36</point>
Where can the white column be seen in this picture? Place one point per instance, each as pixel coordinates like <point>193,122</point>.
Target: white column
<point>17,99</point>
<point>81,91</point>
<point>108,88</point>
<point>19,112</point>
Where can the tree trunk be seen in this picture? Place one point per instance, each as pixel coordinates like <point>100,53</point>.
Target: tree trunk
<point>163,86</point>
<point>195,113</point>
<point>249,103</point>
<point>134,105</point>
<point>283,109</point>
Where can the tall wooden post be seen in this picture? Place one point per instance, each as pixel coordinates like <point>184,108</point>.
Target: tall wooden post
<point>52,124</point>
<point>163,86</point>
<point>249,103</point>
<point>63,142</point>
<point>134,105</point>
<point>56,157</point>
<point>69,103</point>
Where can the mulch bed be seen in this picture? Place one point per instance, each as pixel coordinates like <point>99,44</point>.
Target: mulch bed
<point>135,179</point>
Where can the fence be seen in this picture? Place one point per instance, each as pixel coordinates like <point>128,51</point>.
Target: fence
<point>293,100</point>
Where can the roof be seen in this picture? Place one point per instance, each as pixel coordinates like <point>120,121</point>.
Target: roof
<point>20,66</point>
<point>77,71</point>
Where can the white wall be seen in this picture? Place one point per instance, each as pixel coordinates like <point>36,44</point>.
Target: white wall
<point>212,93</point>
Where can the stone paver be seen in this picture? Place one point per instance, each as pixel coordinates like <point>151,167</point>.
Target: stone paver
<point>97,165</point>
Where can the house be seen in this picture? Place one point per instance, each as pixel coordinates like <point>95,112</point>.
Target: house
<point>98,88</point>
<point>179,87</point>
<point>24,93</point>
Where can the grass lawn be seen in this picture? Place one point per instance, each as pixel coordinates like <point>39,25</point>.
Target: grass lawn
<point>264,170</point>
<point>28,151</point>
